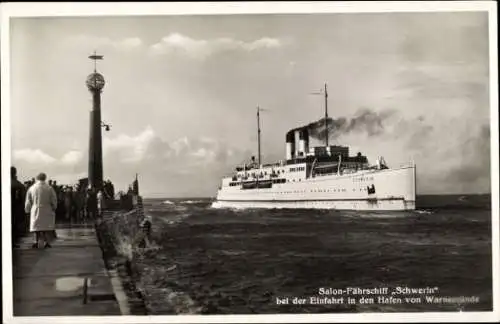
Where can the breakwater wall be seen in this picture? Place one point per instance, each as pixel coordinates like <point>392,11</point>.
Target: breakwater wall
<point>115,233</point>
<point>148,274</point>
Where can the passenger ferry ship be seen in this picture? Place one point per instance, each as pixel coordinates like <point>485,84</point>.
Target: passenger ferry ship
<point>324,177</point>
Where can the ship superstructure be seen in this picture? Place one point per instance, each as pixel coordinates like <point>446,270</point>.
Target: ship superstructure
<point>321,177</point>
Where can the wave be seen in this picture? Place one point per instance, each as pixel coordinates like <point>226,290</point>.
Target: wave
<point>423,211</point>
<point>152,247</point>
<point>183,215</point>
<point>181,302</point>
<point>232,252</point>
<point>375,214</point>
<point>168,221</point>
<point>173,219</point>
<point>168,202</point>
<point>163,295</point>
<point>193,202</point>
<point>180,208</point>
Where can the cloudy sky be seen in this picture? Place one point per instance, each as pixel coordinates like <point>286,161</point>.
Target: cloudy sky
<point>181,93</point>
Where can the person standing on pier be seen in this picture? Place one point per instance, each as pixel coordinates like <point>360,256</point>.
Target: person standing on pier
<point>17,204</point>
<point>101,203</point>
<point>41,204</point>
<point>91,204</point>
<point>61,206</point>
<point>79,202</point>
<point>144,236</point>
<point>111,190</point>
<point>69,205</point>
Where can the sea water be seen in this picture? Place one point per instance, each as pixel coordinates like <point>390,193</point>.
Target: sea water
<point>217,261</point>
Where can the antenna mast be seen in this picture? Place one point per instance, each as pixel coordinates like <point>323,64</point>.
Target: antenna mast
<point>325,93</point>
<point>95,57</point>
<point>258,133</point>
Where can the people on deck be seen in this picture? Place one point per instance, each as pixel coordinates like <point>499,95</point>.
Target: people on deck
<point>41,204</point>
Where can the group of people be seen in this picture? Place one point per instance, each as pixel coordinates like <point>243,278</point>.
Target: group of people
<point>77,203</point>
<point>38,203</point>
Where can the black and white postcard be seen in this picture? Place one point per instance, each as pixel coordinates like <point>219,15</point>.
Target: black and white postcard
<point>250,162</point>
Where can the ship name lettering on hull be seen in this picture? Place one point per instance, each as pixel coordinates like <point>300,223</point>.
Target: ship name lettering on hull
<point>359,179</point>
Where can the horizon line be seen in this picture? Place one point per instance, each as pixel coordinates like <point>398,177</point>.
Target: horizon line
<point>424,194</point>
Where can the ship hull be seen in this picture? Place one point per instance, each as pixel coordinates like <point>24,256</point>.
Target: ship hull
<point>389,189</point>
<point>368,205</point>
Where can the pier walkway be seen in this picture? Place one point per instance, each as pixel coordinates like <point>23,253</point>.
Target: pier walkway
<point>68,279</point>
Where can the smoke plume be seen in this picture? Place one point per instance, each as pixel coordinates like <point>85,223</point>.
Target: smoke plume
<point>370,122</point>
<point>452,154</point>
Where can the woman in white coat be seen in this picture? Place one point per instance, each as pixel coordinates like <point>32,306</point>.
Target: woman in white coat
<point>41,204</point>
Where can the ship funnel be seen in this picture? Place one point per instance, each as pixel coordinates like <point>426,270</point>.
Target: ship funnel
<point>297,143</point>
<point>296,136</point>
<point>290,145</point>
<point>303,141</point>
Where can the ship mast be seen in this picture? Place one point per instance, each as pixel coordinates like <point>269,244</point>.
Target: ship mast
<point>258,133</point>
<point>326,117</point>
<point>325,93</point>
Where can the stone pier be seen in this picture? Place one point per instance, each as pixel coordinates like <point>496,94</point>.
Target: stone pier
<point>68,279</point>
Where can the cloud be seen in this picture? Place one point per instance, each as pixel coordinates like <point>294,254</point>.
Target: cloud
<point>180,144</point>
<point>167,167</point>
<point>201,49</point>
<point>67,169</point>
<point>98,42</point>
<point>72,157</point>
<point>265,42</point>
<point>170,167</point>
<point>129,148</point>
<point>147,146</point>
<point>129,43</point>
<point>33,156</point>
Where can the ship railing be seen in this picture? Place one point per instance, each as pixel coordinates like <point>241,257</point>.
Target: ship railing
<point>272,165</point>
<point>371,168</point>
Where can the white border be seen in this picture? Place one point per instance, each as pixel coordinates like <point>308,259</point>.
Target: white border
<point>8,10</point>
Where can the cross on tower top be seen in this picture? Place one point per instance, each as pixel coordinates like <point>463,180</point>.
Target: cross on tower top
<point>96,57</point>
